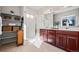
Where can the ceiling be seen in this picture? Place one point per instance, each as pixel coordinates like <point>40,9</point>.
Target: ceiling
<point>49,9</point>
<point>43,8</point>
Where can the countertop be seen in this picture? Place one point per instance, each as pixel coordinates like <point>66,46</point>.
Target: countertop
<point>70,29</point>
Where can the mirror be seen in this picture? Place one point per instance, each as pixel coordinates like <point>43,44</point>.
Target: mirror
<point>69,20</point>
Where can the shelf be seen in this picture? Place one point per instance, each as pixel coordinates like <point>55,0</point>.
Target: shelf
<point>8,41</point>
<point>13,19</point>
<point>10,28</point>
<point>8,37</point>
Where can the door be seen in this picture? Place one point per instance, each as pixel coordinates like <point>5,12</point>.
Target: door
<point>20,37</point>
<point>51,37</point>
<point>72,43</point>
<point>61,41</point>
<point>43,35</point>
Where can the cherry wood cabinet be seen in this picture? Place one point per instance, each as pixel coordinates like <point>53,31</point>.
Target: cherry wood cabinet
<point>61,41</point>
<point>67,40</point>
<point>51,37</point>
<point>72,41</point>
<point>43,35</point>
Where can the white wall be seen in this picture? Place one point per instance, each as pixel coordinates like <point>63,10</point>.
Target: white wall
<point>40,21</point>
<point>45,20</point>
<point>48,20</point>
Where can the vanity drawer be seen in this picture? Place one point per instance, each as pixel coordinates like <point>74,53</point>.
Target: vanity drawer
<point>51,32</point>
<point>61,32</point>
<point>72,33</point>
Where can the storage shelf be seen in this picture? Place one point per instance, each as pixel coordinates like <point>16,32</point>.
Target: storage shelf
<point>8,37</point>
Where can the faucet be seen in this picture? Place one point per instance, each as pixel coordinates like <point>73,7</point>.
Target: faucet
<point>67,27</point>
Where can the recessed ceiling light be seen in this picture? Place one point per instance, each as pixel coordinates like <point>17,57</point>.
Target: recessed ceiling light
<point>27,15</point>
<point>31,16</point>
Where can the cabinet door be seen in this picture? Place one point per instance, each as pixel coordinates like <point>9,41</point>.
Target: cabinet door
<point>43,35</point>
<point>61,41</point>
<point>51,37</point>
<point>72,43</point>
<point>20,37</point>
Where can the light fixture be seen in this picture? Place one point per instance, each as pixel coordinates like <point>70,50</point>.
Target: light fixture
<point>31,16</point>
<point>12,24</point>
<point>12,12</point>
<point>27,15</point>
<point>67,6</point>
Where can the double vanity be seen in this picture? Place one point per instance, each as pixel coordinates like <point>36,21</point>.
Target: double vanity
<point>67,39</point>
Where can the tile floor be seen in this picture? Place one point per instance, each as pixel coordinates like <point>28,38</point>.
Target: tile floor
<point>29,47</point>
